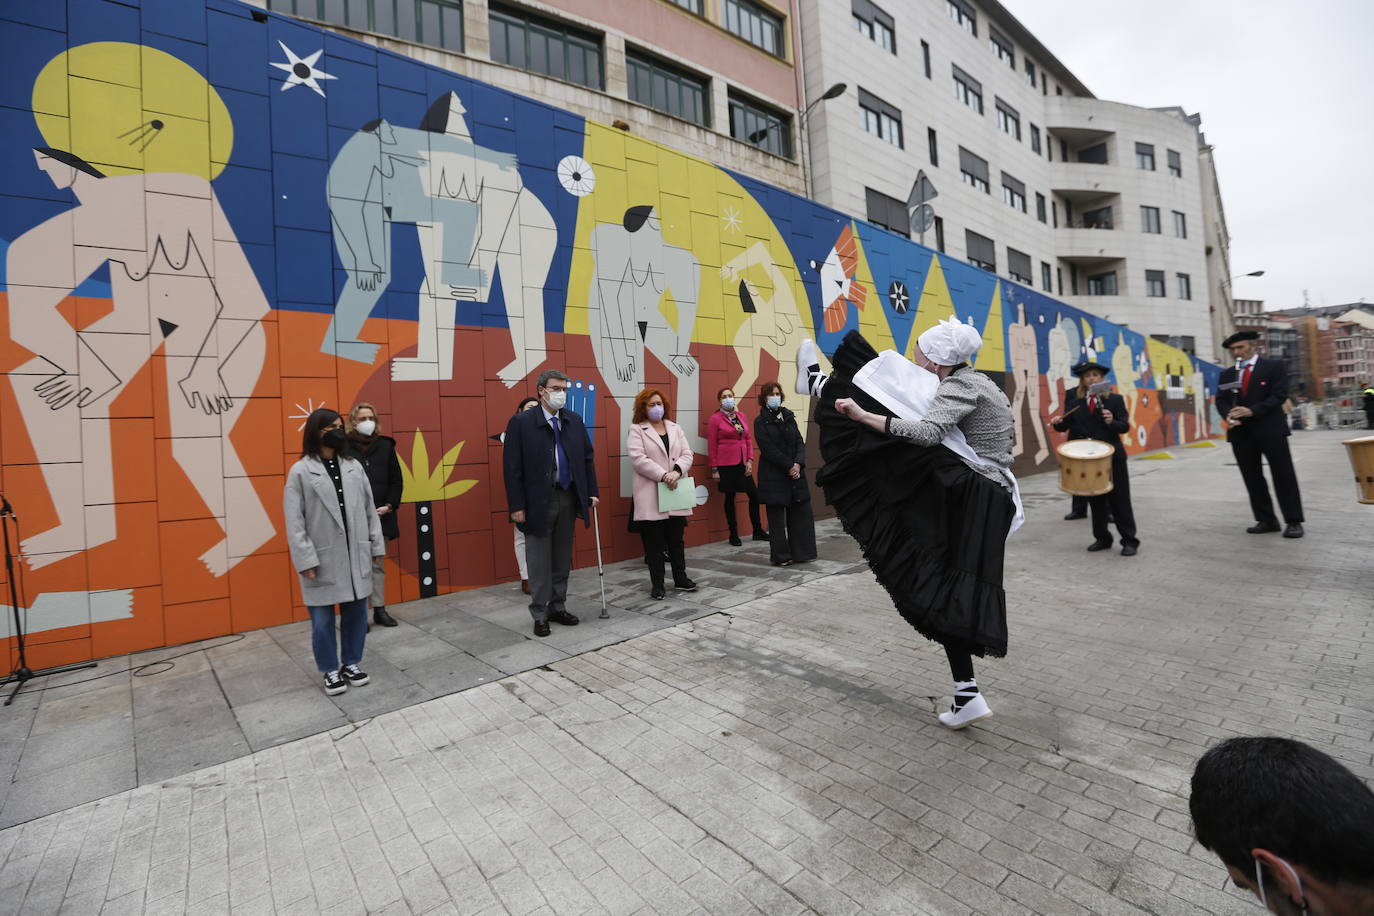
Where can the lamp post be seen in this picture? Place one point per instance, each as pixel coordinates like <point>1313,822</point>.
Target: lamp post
<point>833,92</point>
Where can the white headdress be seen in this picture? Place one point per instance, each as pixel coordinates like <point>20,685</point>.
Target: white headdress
<point>950,342</point>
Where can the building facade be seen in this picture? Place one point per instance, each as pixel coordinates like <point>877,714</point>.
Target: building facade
<point>1109,206</point>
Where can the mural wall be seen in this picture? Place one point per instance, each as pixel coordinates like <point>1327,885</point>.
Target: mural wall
<point>215,220</point>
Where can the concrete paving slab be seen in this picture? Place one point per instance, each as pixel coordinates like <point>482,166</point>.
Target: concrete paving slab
<point>292,714</point>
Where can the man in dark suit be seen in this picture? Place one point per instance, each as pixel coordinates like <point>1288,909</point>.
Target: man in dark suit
<point>1104,418</point>
<point>1251,400</point>
<point>550,480</point>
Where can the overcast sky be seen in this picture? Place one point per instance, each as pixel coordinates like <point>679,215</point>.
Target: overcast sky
<point>1283,88</point>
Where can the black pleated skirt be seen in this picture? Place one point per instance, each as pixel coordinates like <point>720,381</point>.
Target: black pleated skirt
<point>932,529</point>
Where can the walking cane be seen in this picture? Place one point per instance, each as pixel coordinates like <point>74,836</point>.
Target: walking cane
<point>600,569</point>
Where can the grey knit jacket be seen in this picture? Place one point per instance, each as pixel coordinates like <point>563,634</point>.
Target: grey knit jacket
<point>971,401</point>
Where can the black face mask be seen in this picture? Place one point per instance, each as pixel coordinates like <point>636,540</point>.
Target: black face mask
<point>335,439</point>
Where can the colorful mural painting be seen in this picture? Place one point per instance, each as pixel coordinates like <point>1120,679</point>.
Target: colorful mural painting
<point>216,219</point>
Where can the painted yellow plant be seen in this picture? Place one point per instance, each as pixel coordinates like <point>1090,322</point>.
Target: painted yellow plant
<point>424,484</point>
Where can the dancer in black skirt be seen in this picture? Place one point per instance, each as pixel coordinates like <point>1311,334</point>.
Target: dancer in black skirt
<point>930,501</point>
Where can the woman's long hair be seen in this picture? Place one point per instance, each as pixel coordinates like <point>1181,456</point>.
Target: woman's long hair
<point>314,425</point>
<point>642,400</point>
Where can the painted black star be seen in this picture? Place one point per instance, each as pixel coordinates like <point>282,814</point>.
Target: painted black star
<point>898,297</point>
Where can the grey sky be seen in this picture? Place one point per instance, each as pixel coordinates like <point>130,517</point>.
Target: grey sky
<point>1283,89</point>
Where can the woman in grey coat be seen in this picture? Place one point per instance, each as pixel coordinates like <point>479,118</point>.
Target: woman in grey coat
<point>333,532</point>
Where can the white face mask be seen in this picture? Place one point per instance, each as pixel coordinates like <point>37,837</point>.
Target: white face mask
<point>366,427</point>
<point>557,400</point>
<point>774,401</point>
<point>727,403</point>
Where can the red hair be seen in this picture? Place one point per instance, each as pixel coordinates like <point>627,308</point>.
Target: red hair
<point>641,412</point>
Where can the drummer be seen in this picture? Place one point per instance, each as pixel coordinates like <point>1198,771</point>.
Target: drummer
<point>1104,419</point>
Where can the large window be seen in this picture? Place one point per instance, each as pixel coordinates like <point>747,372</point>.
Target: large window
<point>1095,154</point>
<point>693,5</point>
<point>981,250</point>
<point>1145,156</point>
<point>888,212</point>
<point>1102,284</point>
<point>1098,218</point>
<point>1154,284</point>
<point>1001,46</point>
<point>545,46</point>
<point>1019,266</point>
<point>974,170</point>
<point>1180,225</point>
<point>1185,286</point>
<point>757,124</point>
<point>1013,193</point>
<point>1175,163</point>
<point>963,14</point>
<point>754,23</point>
<point>1149,220</point>
<point>968,90</point>
<point>871,20</point>
<point>427,22</point>
<point>1008,119</point>
<point>879,118</point>
<point>677,92</point>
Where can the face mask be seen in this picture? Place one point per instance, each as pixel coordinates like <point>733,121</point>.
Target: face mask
<point>334,438</point>
<point>366,427</point>
<point>557,400</point>
<point>1284,904</point>
<point>774,401</point>
<point>727,403</point>
<point>656,413</point>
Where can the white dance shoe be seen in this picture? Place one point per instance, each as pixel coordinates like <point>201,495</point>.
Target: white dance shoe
<point>808,368</point>
<point>975,710</point>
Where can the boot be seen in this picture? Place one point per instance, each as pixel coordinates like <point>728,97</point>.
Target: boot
<point>382,618</point>
<point>734,538</point>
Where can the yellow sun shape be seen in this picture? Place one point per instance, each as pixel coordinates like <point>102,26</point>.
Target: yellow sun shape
<point>128,108</point>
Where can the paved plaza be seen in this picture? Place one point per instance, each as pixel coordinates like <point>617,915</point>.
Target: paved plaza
<point>767,745</point>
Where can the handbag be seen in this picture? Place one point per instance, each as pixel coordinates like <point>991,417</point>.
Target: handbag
<point>684,497</point>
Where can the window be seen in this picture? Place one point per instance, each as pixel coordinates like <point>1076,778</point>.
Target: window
<point>1040,207</point>
<point>1100,218</point>
<point>872,21</point>
<point>1102,284</point>
<point>1008,119</point>
<point>1019,266</point>
<point>545,46</point>
<point>968,90</point>
<point>1185,286</point>
<point>888,212</point>
<point>1054,214</point>
<point>692,5</point>
<point>925,57</point>
<point>981,251</point>
<point>974,170</point>
<point>1046,278</point>
<point>1030,73</point>
<point>677,92</point>
<point>1059,279</point>
<point>757,124</point>
<point>1013,193</point>
<point>1035,139</point>
<point>1154,284</point>
<point>1145,156</point>
<point>1149,220</point>
<point>940,234</point>
<point>760,27</point>
<point>879,118</point>
<point>1175,163</point>
<point>1002,47</point>
<point>1180,225</point>
<point>934,147</point>
<point>1095,154</point>
<point>430,22</point>
<point>964,15</point>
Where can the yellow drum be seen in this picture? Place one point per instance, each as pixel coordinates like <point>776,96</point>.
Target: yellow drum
<point>1085,467</point>
<point>1362,460</point>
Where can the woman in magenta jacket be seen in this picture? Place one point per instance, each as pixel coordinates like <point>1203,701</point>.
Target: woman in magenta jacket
<point>731,452</point>
<point>659,453</point>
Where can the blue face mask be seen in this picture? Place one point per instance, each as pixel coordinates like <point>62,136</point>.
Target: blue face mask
<point>774,401</point>
<point>727,403</point>
<point>656,412</point>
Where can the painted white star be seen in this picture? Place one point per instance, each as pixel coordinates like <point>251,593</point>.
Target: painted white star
<point>731,218</point>
<point>302,70</point>
<point>306,410</point>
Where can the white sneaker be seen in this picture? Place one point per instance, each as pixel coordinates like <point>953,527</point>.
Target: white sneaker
<point>974,710</point>
<point>806,358</point>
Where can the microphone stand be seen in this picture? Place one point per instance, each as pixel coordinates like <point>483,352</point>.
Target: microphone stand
<point>21,674</point>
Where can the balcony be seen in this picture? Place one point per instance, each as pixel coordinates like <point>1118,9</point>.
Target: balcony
<point>1089,247</point>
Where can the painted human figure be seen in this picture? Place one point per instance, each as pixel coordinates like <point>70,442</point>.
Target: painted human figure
<point>181,288</point>
<point>772,323</point>
<point>1124,372</point>
<point>1062,357</point>
<point>1025,379</point>
<point>473,215</point>
<point>1198,386</point>
<point>634,269</point>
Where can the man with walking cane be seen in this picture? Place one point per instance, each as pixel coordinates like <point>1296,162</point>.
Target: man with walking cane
<point>550,480</point>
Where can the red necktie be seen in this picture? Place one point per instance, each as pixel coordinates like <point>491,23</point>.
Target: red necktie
<point>1092,404</point>
<point>1245,379</point>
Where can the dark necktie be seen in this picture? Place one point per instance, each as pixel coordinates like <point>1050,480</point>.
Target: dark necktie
<point>564,478</point>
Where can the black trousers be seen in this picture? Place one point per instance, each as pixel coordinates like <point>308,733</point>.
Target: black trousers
<point>1079,505</point>
<point>660,538</point>
<point>792,533</point>
<point>1249,454</point>
<point>1118,504</point>
<point>735,479</point>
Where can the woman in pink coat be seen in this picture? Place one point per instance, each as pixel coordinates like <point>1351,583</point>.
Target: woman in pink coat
<point>659,453</point>
<point>732,462</point>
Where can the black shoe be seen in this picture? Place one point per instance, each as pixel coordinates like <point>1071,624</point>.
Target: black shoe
<point>541,628</point>
<point>762,536</point>
<point>1073,516</point>
<point>564,618</point>
<point>735,541</point>
<point>1128,550</point>
<point>686,585</point>
<point>1266,528</point>
<point>334,684</point>
<point>353,675</point>
<point>656,592</point>
<point>1294,530</point>
<point>781,562</point>
<point>1099,545</point>
<point>382,618</point>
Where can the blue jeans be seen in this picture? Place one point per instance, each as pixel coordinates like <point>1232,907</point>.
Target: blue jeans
<point>352,624</point>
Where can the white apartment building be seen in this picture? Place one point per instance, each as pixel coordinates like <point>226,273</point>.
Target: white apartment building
<point>1110,207</point>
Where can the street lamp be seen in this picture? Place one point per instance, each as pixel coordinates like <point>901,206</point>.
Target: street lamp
<point>1253,273</point>
<point>757,136</point>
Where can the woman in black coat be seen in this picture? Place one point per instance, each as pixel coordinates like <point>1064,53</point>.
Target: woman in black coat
<point>378,456</point>
<point>782,480</point>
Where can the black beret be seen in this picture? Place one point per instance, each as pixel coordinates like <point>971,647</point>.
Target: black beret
<point>1239,336</point>
<point>1087,365</point>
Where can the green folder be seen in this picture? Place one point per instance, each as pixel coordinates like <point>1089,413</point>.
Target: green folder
<point>684,497</point>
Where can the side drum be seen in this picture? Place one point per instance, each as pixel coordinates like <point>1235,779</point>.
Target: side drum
<point>1085,467</point>
<point>1361,453</point>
